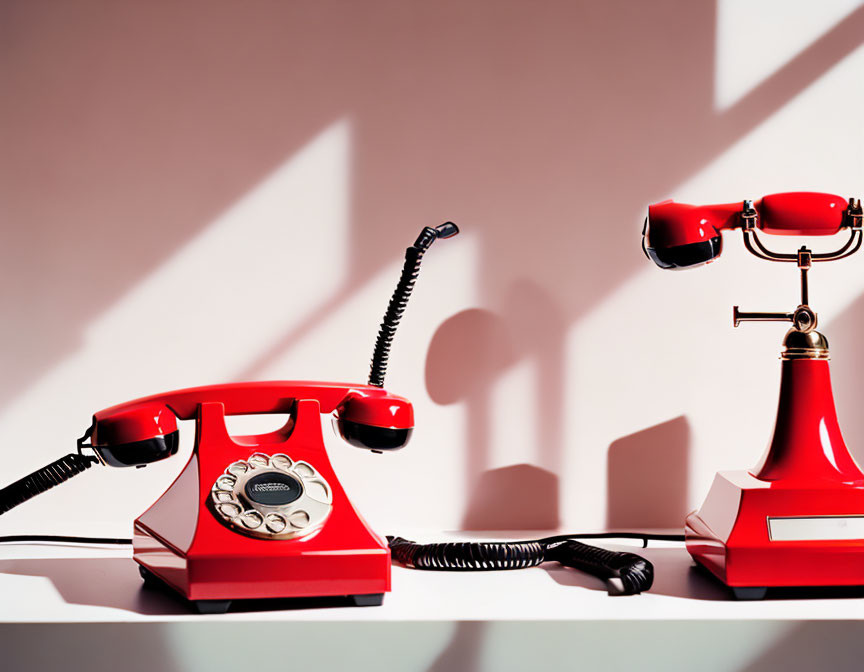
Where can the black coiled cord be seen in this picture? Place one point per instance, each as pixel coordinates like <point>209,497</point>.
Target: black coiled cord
<point>467,556</point>
<point>635,573</point>
<point>43,479</point>
<point>399,300</point>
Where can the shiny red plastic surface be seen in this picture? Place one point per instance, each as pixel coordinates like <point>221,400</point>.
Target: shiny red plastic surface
<point>807,447</point>
<point>134,423</point>
<point>806,472</point>
<point>672,224</point>
<point>155,415</point>
<point>181,541</point>
<point>801,213</point>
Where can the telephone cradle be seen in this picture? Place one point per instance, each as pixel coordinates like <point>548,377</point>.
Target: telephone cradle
<point>245,519</point>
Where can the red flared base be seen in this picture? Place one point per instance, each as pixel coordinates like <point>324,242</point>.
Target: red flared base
<point>745,533</point>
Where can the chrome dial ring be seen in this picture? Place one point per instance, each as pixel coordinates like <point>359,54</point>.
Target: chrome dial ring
<point>272,497</point>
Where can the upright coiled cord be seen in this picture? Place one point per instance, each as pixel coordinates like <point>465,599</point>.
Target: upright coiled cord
<point>401,295</point>
<point>44,479</point>
<point>635,573</point>
<point>395,310</point>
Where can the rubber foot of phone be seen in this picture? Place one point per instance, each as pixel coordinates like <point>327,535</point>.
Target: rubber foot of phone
<point>150,579</point>
<point>212,606</point>
<point>373,600</point>
<point>749,592</point>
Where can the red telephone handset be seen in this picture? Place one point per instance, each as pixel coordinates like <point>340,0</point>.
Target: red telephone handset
<point>678,235</point>
<point>145,430</point>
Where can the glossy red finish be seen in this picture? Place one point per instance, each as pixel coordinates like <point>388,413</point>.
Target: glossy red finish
<point>181,541</point>
<point>801,213</point>
<point>137,422</point>
<point>368,408</point>
<point>806,472</point>
<point>151,416</point>
<point>672,224</point>
<point>807,447</point>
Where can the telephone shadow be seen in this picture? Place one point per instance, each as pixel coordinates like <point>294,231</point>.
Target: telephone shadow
<point>468,356</point>
<point>116,584</point>
<point>647,475</point>
<point>98,582</point>
<point>498,500</point>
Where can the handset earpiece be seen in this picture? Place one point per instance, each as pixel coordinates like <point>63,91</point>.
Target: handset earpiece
<point>371,418</point>
<point>135,436</point>
<point>379,423</point>
<point>123,436</point>
<point>676,235</point>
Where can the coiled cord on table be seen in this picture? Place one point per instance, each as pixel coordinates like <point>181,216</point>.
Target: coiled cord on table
<point>635,573</point>
<point>401,295</point>
<point>44,479</point>
<point>466,556</point>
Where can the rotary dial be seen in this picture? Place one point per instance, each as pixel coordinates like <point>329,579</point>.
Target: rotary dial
<point>272,497</point>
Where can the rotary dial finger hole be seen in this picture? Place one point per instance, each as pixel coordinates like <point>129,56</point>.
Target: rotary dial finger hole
<point>299,519</point>
<point>238,468</point>
<point>275,523</point>
<point>259,460</point>
<point>229,510</point>
<point>304,469</point>
<point>252,519</point>
<point>281,461</point>
<point>318,490</point>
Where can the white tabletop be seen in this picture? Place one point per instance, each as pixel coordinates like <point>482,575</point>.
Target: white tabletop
<point>67,584</point>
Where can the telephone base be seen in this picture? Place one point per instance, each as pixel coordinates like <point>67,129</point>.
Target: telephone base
<point>184,541</point>
<point>154,582</point>
<point>753,534</point>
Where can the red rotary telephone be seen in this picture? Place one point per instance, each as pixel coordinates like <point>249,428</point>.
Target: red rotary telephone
<point>212,535</point>
<point>797,517</point>
<point>265,516</point>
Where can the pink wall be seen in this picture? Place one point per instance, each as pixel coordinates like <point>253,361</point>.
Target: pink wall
<point>542,129</point>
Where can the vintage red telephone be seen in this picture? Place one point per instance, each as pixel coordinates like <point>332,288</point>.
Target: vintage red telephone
<point>797,517</point>
<point>255,516</point>
<point>265,516</point>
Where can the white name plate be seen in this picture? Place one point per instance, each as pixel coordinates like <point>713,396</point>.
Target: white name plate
<point>816,528</point>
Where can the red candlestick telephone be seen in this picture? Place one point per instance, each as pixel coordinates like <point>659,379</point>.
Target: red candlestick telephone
<point>797,517</point>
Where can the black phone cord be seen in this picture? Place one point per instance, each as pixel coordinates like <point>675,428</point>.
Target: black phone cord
<point>44,479</point>
<point>401,295</point>
<point>635,573</point>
